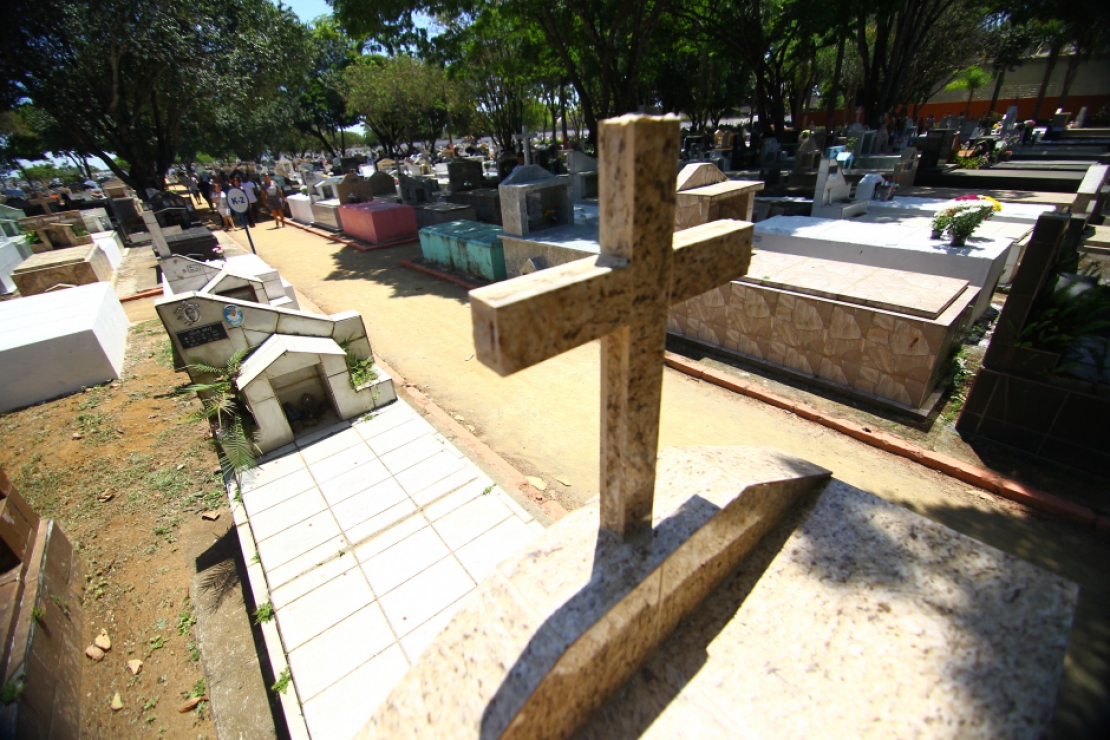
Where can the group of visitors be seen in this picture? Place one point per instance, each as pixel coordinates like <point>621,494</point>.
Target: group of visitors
<point>214,190</point>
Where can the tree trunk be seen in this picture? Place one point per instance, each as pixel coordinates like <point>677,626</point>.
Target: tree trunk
<point>1069,76</point>
<point>970,95</point>
<point>1053,56</point>
<point>834,91</point>
<point>563,107</point>
<point>997,89</point>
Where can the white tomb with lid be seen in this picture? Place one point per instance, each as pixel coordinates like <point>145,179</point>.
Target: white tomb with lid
<point>893,246</point>
<point>56,343</point>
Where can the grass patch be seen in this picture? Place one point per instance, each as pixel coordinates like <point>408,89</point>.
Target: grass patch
<point>264,613</point>
<point>163,353</point>
<point>282,682</point>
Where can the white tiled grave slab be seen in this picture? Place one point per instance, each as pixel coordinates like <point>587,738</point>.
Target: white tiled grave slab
<point>56,343</point>
<point>893,246</point>
<point>1019,213</point>
<point>368,535</point>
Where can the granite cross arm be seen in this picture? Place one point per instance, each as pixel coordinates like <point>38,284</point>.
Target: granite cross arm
<point>621,296</point>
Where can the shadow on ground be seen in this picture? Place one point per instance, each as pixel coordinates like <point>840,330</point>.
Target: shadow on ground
<point>383,266</point>
<point>236,663</point>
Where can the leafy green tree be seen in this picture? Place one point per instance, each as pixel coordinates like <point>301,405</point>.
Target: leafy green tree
<point>970,79</point>
<point>142,78</point>
<point>499,63</point>
<point>401,99</point>
<point>323,104</point>
<point>601,46</point>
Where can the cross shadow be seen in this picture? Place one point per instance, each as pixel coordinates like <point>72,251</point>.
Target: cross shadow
<point>967,592</point>
<point>618,569</point>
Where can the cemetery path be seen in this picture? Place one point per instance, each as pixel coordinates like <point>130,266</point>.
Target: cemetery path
<point>545,421</point>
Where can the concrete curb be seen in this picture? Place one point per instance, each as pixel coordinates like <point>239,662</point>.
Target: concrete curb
<point>510,476</point>
<point>439,274</point>
<point>976,476</point>
<point>150,293</point>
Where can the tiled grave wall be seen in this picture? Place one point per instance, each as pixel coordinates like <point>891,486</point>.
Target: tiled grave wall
<point>891,356</point>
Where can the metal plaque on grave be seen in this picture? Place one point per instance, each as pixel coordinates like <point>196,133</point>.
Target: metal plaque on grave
<point>202,335</point>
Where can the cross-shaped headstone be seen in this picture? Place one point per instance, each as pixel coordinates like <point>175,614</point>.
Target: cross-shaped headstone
<point>622,297</point>
<point>526,143</point>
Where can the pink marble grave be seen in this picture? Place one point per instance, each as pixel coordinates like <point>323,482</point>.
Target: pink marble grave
<point>379,222</point>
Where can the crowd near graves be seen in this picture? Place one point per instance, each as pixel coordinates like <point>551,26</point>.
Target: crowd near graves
<point>921,276</point>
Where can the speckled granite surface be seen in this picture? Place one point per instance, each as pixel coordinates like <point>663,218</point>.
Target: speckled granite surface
<point>871,621</point>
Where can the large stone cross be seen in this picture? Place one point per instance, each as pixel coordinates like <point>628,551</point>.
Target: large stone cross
<point>620,296</point>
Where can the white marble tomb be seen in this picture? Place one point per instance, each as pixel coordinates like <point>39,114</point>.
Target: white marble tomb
<point>893,246</point>
<point>56,343</point>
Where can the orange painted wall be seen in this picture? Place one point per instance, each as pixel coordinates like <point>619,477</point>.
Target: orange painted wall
<point>1025,106</point>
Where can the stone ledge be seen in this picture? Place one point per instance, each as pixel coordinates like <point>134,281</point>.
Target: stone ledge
<point>551,633</point>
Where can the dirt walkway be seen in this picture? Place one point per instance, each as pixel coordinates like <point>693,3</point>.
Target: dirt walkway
<point>545,420</point>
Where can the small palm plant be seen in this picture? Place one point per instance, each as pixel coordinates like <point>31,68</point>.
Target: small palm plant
<point>225,410</point>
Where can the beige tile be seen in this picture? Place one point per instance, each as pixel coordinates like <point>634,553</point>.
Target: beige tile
<point>323,607</point>
<point>281,516</point>
<point>341,463</point>
<point>429,472</point>
<point>312,579</point>
<point>413,453</point>
<point>390,537</point>
<point>330,656</point>
<point>328,446</point>
<point>341,710</point>
<point>410,556</point>
<point>271,471</point>
<point>273,493</point>
<point>282,574</point>
<point>448,485</point>
<point>391,517</point>
<point>401,435</point>
<point>385,420</point>
<point>358,508</point>
<point>447,504</point>
<point>485,553</point>
<point>471,520</point>
<point>420,598</point>
<point>297,540</point>
<point>348,484</point>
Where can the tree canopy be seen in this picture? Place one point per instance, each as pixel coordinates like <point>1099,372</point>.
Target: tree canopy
<point>152,80</point>
<point>158,82</point>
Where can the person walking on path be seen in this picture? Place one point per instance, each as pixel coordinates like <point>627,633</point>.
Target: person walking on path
<point>222,207</point>
<point>205,186</point>
<point>251,190</point>
<point>190,183</point>
<point>275,200</point>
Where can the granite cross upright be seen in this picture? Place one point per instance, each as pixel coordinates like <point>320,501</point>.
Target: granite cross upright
<point>622,297</point>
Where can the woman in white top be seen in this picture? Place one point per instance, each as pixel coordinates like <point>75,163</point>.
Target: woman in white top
<point>222,208</point>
